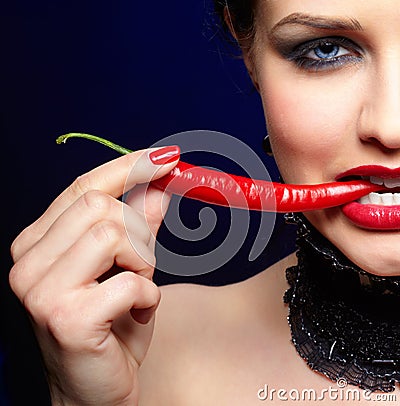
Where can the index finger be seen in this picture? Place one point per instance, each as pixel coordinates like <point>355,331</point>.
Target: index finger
<point>113,177</point>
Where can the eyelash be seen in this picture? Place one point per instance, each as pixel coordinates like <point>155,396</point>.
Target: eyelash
<point>299,54</point>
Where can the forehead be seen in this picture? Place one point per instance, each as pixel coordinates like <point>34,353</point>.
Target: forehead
<point>272,11</point>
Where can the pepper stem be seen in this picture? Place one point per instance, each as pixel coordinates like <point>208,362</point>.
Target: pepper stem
<point>118,148</point>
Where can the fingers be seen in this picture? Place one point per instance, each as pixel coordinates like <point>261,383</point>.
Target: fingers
<point>104,245</point>
<point>90,251</point>
<point>111,178</point>
<point>129,292</point>
<point>86,216</point>
<point>116,227</point>
<point>82,319</point>
<point>151,202</point>
<point>63,274</point>
<point>69,302</point>
<point>91,208</point>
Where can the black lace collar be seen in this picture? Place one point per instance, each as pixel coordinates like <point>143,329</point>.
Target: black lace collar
<point>345,323</point>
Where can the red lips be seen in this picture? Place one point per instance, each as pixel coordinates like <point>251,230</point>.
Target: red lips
<point>373,216</point>
<point>371,170</point>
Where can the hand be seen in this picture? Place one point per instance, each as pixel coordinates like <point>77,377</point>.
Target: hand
<point>83,271</point>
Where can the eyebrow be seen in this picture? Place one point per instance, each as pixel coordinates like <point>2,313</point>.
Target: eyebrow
<point>319,22</point>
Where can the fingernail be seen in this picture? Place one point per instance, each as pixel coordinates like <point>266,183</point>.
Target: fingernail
<point>165,155</point>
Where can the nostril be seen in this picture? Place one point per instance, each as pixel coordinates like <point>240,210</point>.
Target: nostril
<point>384,140</point>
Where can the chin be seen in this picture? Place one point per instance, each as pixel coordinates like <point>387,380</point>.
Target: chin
<point>380,257</point>
<point>376,252</point>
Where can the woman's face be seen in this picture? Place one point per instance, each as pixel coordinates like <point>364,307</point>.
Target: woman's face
<point>328,72</point>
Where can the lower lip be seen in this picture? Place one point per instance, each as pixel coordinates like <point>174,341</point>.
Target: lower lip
<point>372,216</point>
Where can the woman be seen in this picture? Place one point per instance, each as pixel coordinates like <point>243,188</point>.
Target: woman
<point>327,74</point>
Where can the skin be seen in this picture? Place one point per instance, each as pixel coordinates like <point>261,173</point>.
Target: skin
<point>208,345</point>
<point>315,118</point>
<point>88,238</point>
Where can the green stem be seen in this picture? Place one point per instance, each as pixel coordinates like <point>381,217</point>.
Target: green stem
<point>118,148</point>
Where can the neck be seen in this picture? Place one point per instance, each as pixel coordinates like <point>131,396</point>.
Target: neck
<point>344,321</point>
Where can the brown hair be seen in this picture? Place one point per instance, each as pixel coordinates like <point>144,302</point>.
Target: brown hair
<point>240,14</point>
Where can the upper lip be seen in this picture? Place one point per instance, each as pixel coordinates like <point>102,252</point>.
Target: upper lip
<point>371,170</point>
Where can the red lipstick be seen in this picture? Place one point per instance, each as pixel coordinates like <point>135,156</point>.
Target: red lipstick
<point>373,215</point>
<point>371,170</point>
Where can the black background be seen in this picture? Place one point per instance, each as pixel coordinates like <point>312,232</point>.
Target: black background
<point>134,72</point>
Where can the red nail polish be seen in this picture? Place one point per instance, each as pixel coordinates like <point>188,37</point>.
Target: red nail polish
<point>165,155</point>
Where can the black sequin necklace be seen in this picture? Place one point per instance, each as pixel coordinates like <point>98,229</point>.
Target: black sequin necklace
<point>345,323</point>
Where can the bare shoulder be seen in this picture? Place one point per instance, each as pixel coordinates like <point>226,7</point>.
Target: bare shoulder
<point>184,313</point>
<point>201,331</point>
<point>184,321</point>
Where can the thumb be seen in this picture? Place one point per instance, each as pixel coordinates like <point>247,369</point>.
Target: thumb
<point>151,202</point>
<point>147,200</point>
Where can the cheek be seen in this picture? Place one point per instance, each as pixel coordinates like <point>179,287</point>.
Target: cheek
<point>308,123</point>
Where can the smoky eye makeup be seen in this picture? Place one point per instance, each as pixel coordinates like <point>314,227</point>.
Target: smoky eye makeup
<point>321,54</point>
<point>316,43</point>
<point>310,50</point>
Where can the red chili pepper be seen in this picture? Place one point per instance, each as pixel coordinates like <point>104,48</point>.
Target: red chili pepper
<point>224,189</point>
<point>238,191</point>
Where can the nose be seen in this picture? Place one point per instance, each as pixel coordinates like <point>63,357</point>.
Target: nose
<point>380,116</point>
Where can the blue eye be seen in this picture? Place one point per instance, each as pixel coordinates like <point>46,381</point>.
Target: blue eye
<point>325,51</point>
<point>325,54</point>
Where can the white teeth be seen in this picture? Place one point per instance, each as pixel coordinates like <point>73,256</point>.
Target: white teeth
<point>387,199</point>
<point>389,183</point>
<point>375,198</point>
<point>384,199</point>
<point>376,181</point>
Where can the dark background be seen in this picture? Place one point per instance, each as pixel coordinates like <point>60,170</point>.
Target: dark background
<point>134,72</point>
